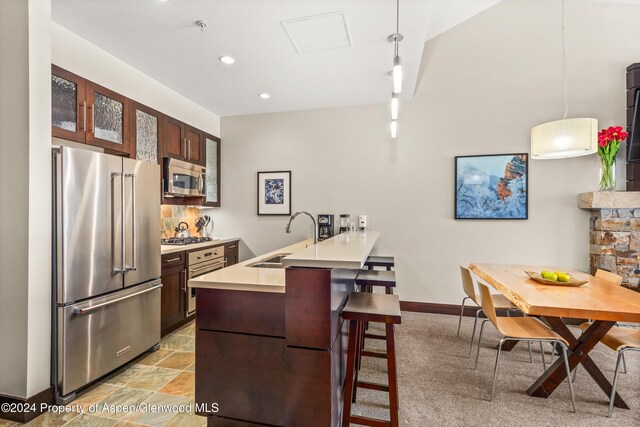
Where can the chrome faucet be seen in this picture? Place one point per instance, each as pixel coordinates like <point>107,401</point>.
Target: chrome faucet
<point>315,226</point>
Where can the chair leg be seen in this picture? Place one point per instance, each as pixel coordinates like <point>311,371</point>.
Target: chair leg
<point>461,313</point>
<point>392,374</point>
<point>495,370</point>
<point>358,361</point>
<point>349,386</point>
<point>544,362</point>
<point>530,353</point>
<point>566,367</point>
<point>473,333</point>
<point>615,383</point>
<point>479,342</point>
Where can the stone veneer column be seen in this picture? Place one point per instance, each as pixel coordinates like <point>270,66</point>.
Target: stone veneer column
<point>614,235</point>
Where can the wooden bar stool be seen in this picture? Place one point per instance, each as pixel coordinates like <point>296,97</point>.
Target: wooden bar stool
<point>367,279</point>
<point>379,308</point>
<point>373,261</point>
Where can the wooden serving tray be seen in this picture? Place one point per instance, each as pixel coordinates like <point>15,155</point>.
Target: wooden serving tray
<point>573,282</point>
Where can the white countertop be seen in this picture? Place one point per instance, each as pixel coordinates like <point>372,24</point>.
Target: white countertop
<point>242,277</point>
<point>346,250</point>
<point>168,249</point>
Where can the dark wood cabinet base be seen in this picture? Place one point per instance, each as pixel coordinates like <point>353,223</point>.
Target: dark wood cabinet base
<point>45,396</point>
<point>264,370</point>
<point>243,374</point>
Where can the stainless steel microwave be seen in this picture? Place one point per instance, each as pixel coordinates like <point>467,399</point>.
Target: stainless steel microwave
<point>183,178</point>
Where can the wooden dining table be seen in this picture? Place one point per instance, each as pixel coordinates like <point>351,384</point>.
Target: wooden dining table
<point>602,301</point>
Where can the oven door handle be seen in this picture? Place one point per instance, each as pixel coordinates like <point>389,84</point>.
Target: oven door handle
<point>208,267</point>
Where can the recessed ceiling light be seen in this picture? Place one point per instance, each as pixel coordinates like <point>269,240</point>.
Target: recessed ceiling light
<point>227,59</point>
<point>264,96</point>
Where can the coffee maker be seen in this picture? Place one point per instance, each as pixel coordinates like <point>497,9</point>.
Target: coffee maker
<point>325,226</point>
<point>345,223</point>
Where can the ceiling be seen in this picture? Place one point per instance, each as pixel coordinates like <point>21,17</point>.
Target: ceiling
<point>160,38</point>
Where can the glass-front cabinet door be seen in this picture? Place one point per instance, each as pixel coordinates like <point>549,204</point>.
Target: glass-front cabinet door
<point>146,134</point>
<point>212,179</point>
<point>68,105</point>
<point>108,126</point>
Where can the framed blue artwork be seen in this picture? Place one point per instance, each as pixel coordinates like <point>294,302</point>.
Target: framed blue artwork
<point>492,186</point>
<point>274,193</point>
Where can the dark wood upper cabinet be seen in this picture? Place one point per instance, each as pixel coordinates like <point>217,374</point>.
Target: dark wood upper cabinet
<point>68,105</point>
<point>107,119</point>
<point>195,146</point>
<point>85,112</point>
<point>183,142</point>
<point>146,133</point>
<point>88,113</point>
<point>174,144</point>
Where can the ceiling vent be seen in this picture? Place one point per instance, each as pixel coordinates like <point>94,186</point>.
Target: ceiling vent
<point>318,32</point>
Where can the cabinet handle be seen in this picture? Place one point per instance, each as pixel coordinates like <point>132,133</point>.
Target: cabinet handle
<point>84,116</point>
<point>184,288</point>
<point>232,246</point>
<point>91,107</point>
<point>184,147</point>
<point>172,260</point>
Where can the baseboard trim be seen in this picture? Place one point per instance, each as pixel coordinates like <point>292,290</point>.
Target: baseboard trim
<point>436,308</point>
<point>34,402</point>
<point>177,325</point>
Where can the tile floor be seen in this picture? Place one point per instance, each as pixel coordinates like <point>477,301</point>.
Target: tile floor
<point>165,377</point>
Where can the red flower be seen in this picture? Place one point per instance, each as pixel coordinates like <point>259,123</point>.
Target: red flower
<point>610,134</point>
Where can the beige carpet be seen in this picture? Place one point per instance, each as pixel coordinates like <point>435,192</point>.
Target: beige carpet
<point>438,386</point>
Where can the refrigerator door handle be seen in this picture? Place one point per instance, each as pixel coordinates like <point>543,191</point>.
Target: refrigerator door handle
<point>104,304</point>
<point>122,268</point>
<point>134,225</point>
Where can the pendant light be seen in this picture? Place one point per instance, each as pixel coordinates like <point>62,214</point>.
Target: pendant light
<point>396,38</point>
<point>567,137</point>
<point>394,106</point>
<point>396,73</point>
<point>394,129</point>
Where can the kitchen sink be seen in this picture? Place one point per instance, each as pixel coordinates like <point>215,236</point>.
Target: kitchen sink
<point>274,261</point>
<point>267,265</point>
<point>276,258</point>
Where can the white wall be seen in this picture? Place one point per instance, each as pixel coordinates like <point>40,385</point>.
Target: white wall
<point>25,197</point>
<point>483,85</point>
<point>75,54</point>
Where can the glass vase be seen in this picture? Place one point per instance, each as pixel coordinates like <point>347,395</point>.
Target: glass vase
<point>607,174</point>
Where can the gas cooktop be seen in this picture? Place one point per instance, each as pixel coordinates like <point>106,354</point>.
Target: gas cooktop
<point>179,241</point>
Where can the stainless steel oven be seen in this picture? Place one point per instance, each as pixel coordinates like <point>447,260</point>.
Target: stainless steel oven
<point>203,262</point>
<point>183,178</point>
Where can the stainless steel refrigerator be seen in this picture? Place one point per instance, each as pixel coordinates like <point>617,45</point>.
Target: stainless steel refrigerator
<point>106,265</point>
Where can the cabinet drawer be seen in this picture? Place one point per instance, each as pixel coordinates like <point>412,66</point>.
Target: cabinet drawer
<point>231,246</point>
<point>173,259</point>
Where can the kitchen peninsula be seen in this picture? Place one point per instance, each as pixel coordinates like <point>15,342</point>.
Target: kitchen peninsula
<point>270,341</point>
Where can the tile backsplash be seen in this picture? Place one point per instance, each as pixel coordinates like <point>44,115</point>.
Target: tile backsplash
<point>172,215</point>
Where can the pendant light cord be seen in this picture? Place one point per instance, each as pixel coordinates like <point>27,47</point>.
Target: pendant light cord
<point>564,69</point>
<point>397,26</point>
